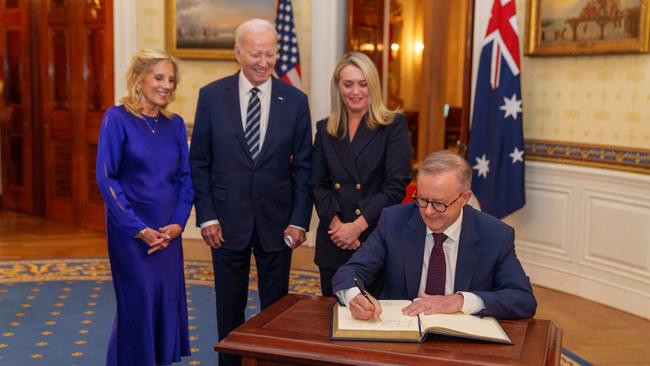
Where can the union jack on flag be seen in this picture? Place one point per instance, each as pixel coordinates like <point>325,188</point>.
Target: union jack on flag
<point>287,66</point>
<point>496,143</point>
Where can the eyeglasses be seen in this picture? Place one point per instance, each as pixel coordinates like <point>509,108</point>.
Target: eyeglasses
<point>438,206</point>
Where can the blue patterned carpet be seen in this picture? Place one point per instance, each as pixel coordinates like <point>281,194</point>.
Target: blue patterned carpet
<point>60,312</point>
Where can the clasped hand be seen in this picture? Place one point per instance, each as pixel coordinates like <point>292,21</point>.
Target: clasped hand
<point>345,235</point>
<point>159,239</point>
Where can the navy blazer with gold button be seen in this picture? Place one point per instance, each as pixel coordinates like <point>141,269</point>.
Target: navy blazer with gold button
<point>357,178</point>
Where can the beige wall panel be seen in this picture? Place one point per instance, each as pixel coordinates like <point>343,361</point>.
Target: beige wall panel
<point>627,249</point>
<point>544,231</point>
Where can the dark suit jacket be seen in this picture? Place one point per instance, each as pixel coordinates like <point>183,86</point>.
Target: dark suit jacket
<point>366,175</point>
<point>486,265</point>
<point>268,194</point>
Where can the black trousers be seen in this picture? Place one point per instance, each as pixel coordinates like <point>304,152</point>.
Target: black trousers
<point>231,272</point>
<point>326,275</point>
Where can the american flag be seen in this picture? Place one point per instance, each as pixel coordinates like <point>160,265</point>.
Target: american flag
<point>496,144</point>
<point>287,66</point>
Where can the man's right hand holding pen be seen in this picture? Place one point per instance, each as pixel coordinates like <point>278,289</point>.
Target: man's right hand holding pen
<point>364,306</point>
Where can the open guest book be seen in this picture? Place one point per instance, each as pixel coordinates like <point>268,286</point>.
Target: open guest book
<point>394,326</point>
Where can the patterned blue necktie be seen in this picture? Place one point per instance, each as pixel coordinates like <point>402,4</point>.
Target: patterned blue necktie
<point>253,124</point>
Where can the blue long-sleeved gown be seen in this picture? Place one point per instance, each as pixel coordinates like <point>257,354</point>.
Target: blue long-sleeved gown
<point>145,180</point>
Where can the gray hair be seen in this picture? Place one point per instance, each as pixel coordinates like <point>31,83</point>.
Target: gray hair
<point>447,161</point>
<point>254,25</point>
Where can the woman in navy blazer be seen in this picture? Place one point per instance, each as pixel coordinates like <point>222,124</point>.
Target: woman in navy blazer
<point>361,163</point>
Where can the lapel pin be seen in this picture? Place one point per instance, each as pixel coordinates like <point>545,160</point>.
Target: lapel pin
<point>281,98</point>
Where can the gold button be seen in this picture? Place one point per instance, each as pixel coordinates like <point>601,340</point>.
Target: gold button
<point>357,211</point>
<point>358,186</point>
<point>337,185</point>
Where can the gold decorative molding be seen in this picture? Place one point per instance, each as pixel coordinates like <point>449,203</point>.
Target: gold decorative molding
<point>597,156</point>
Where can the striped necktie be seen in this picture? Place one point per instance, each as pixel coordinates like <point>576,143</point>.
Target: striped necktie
<point>437,271</point>
<point>252,132</point>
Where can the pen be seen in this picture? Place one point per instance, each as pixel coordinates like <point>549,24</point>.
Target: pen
<point>364,293</point>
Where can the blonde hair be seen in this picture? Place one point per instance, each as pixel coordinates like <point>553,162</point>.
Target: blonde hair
<point>140,66</point>
<point>378,113</point>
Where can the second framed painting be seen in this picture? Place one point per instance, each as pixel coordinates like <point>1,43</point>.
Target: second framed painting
<point>583,27</point>
<point>205,29</point>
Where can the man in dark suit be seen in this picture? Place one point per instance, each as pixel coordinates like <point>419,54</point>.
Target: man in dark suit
<point>250,156</point>
<point>450,256</point>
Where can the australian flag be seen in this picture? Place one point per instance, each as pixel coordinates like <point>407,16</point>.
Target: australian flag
<point>496,144</point>
<point>287,67</point>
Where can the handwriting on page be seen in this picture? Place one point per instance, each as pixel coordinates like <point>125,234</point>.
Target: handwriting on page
<point>391,318</point>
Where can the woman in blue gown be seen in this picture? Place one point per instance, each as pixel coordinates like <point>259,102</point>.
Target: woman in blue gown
<point>144,175</point>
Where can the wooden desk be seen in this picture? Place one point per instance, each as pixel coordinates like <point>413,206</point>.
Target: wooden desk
<point>296,331</point>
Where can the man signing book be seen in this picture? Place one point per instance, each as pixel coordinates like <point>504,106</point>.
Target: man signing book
<point>441,251</point>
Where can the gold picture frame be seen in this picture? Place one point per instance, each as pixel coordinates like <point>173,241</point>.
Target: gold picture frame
<point>586,27</point>
<point>206,29</point>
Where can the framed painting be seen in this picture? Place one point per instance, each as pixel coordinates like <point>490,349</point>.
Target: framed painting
<point>586,27</point>
<point>205,29</point>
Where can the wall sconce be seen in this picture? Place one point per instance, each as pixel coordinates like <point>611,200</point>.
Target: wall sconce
<point>367,47</point>
<point>394,49</point>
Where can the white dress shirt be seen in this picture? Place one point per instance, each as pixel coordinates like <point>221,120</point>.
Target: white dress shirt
<point>472,303</point>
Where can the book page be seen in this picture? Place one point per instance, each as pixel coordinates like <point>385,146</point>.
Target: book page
<point>464,324</point>
<point>392,318</point>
